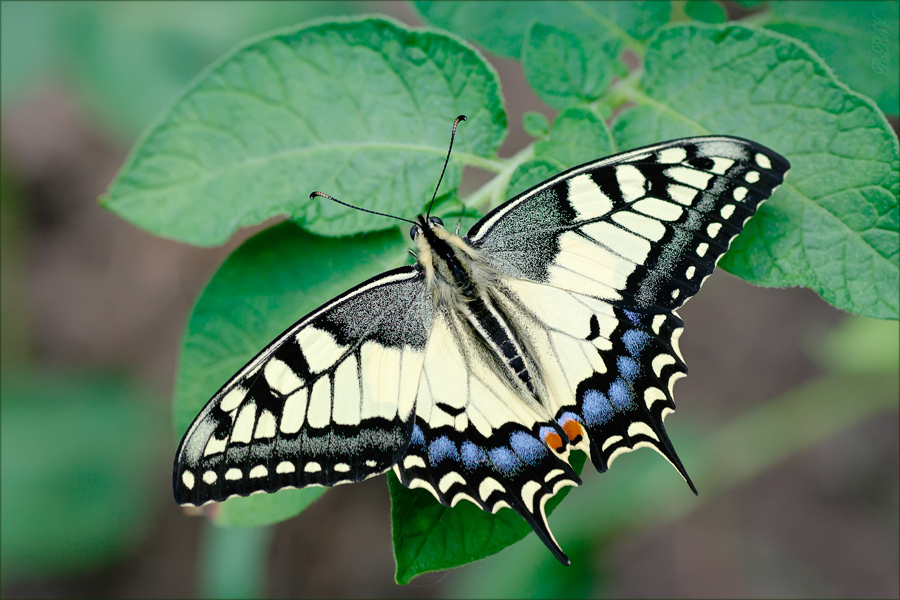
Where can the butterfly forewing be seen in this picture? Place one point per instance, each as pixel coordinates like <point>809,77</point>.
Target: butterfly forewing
<point>330,401</point>
<point>642,229</point>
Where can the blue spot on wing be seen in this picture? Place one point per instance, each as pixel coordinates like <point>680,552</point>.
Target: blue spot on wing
<point>620,394</point>
<point>440,449</point>
<point>418,438</point>
<point>632,316</point>
<point>628,367</point>
<point>473,456</point>
<point>504,460</point>
<point>529,449</point>
<point>596,408</point>
<point>635,341</point>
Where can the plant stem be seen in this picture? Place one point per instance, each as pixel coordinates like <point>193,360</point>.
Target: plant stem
<point>233,561</point>
<point>492,193</point>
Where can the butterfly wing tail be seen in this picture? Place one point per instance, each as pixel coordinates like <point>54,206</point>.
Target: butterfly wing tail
<point>534,511</point>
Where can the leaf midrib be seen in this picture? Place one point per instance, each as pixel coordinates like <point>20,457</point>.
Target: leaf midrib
<point>466,158</point>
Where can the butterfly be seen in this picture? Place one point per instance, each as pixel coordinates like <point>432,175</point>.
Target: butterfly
<point>473,373</point>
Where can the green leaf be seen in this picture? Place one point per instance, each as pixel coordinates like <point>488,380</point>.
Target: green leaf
<point>620,23</point>
<point>358,109</point>
<point>127,61</point>
<point>79,457</point>
<point>429,536</point>
<point>578,136</point>
<point>530,173</point>
<point>857,39</point>
<point>705,11</point>
<point>265,509</point>
<point>535,124</point>
<point>833,225</point>
<point>267,284</point>
<point>565,68</point>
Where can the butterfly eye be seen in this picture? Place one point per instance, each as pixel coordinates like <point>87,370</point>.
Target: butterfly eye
<point>436,221</point>
<point>414,231</point>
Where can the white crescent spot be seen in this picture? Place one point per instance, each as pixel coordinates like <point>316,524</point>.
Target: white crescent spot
<point>413,461</point>
<point>660,361</point>
<point>641,428</point>
<point>613,439</point>
<point>448,480</point>
<point>553,473</point>
<point>652,395</point>
<point>285,467</point>
<point>528,492</point>
<point>487,487</point>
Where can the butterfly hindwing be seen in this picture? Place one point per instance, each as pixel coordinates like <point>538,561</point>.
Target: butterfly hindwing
<point>642,229</point>
<point>475,439</point>
<point>330,401</point>
<point>609,370</point>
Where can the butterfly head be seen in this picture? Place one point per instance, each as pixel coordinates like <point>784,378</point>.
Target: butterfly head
<point>422,224</point>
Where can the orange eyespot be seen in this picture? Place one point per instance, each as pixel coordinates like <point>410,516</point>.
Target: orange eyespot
<point>574,431</point>
<point>555,442</point>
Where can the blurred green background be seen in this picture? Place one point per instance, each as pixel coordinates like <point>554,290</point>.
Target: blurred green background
<point>788,423</point>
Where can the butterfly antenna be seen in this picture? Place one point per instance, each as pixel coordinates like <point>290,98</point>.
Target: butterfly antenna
<point>446,160</point>
<point>323,195</point>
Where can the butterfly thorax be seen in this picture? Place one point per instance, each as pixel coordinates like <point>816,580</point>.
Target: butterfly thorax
<point>460,279</point>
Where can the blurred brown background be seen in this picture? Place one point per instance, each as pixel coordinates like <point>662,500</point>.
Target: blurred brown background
<point>86,295</point>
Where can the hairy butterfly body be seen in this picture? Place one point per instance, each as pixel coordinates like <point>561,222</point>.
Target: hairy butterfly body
<point>549,327</point>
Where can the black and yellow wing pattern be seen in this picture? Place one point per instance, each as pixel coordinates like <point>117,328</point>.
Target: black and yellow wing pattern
<point>550,326</point>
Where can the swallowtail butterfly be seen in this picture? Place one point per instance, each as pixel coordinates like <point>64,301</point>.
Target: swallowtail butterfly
<point>473,373</point>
